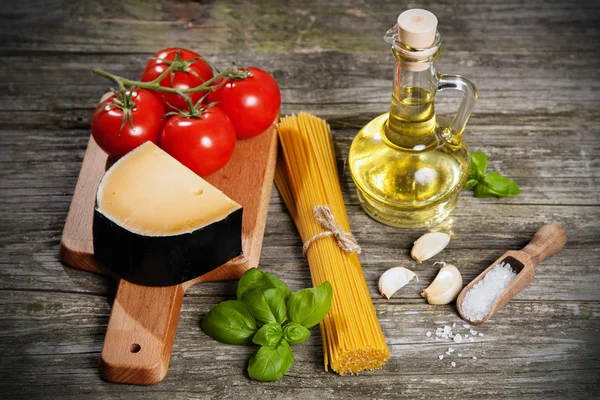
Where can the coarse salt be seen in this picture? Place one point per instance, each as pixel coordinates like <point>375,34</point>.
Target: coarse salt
<point>479,300</point>
<point>458,338</point>
<point>466,326</point>
<point>453,364</point>
<point>441,357</point>
<point>474,358</point>
<point>428,334</point>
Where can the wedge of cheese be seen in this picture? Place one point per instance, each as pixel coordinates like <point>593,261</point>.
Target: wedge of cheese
<point>157,223</point>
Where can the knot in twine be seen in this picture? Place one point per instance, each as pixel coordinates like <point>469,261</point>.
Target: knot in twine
<point>343,238</point>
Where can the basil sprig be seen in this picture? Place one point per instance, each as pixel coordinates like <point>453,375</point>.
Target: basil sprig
<point>230,322</point>
<point>268,314</point>
<point>488,184</point>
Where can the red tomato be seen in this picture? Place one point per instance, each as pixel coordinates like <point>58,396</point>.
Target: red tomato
<point>185,76</point>
<point>203,144</point>
<point>146,112</point>
<point>252,104</point>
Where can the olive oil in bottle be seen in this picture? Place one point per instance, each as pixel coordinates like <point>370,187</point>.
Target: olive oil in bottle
<point>409,165</point>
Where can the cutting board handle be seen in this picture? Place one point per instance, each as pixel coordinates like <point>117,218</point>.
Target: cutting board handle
<point>140,334</point>
<point>546,242</point>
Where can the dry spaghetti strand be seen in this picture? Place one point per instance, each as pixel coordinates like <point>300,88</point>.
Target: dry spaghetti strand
<point>307,176</point>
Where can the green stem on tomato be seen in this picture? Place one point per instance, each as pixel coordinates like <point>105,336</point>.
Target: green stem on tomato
<point>164,74</point>
<point>154,85</point>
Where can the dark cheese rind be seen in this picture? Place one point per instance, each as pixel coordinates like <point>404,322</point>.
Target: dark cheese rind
<point>166,260</point>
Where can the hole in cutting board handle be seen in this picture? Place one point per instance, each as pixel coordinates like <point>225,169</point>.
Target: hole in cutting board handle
<point>135,348</point>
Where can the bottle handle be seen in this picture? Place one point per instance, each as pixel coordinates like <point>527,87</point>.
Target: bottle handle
<point>457,82</point>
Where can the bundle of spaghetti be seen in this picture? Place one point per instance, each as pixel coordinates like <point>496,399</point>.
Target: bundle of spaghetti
<point>307,176</point>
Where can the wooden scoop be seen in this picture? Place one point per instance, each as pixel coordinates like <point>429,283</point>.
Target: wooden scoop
<point>546,242</point>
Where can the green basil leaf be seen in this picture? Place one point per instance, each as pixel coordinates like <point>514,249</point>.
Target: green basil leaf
<point>479,162</point>
<point>271,363</point>
<point>308,307</point>
<point>495,185</point>
<point>268,335</point>
<point>295,333</point>
<point>267,305</point>
<point>471,183</point>
<point>254,278</point>
<point>230,322</point>
<point>275,282</point>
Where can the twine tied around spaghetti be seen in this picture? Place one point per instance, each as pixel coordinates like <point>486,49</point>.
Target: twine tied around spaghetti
<point>344,239</point>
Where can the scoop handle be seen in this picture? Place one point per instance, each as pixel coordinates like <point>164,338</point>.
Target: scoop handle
<point>546,242</point>
<point>140,334</point>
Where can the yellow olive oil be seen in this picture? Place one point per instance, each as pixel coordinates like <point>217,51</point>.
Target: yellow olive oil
<point>409,165</point>
<point>403,186</point>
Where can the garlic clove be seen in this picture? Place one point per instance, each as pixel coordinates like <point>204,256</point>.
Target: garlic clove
<point>429,245</point>
<point>445,287</point>
<point>393,279</point>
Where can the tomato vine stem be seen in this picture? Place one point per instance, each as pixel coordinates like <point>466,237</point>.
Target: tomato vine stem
<point>207,85</point>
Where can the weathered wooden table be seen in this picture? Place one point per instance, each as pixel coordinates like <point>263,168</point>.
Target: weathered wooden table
<point>536,66</point>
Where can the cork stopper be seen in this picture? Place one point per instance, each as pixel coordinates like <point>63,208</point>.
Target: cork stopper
<point>416,28</point>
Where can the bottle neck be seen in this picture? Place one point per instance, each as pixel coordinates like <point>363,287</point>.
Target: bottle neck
<point>412,113</point>
<point>411,123</point>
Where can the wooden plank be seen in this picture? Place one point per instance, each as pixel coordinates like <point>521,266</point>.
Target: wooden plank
<point>529,349</point>
<point>527,153</point>
<point>310,27</point>
<point>367,83</point>
<point>574,274</point>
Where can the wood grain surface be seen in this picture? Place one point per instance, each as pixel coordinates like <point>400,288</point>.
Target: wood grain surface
<point>535,64</point>
<point>141,329</point>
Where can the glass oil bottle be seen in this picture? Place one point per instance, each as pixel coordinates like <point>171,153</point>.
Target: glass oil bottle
<point>409,165</point>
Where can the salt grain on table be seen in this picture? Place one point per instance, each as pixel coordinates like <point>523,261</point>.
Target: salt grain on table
<point>478,301</point>
<point>446,332</point>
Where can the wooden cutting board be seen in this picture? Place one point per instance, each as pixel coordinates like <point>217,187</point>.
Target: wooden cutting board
<point>141,330</point>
